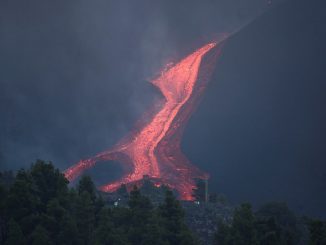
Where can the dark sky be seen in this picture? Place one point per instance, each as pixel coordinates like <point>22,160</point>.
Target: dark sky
<point>73,80</point>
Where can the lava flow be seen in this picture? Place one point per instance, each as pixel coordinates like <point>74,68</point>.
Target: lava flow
<point>153,147</point>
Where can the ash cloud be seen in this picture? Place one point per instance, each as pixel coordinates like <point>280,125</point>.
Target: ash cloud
<point>73,74</point>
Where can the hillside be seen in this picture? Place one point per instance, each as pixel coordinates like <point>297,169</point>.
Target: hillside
<point>262,119</point>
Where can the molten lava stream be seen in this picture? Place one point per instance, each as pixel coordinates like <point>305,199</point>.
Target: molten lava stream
<point>153,148</point>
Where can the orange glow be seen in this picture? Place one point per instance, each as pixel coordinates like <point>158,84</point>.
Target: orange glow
<point>153,147</point>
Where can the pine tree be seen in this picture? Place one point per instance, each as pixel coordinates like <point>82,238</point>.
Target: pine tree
<point>53,216</point>
<point>141,210</point>
<point>86,185</point>
<point>60,224</point>
<point>317,231</point>
<point>122,191</point>
<point>243,226</point>
<point>285,221</point>
<point>40,236</point>
<point>268,231</point>
<point>106,233</point>
<point>15,234</point>
<point>68,234</point>
<point>222,236</point>
<point>174,229</point>
<point>23,203</point>
<point>49,182</point>
<point>85,217</point>
<point>3,198</point>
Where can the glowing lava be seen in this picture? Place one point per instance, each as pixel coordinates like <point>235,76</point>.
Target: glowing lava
<point>153,148</point>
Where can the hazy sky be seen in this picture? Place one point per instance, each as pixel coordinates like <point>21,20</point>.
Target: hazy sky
<point>73,76</point>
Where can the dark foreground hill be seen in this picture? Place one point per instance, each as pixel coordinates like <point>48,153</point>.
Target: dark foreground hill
<point>38,207</point>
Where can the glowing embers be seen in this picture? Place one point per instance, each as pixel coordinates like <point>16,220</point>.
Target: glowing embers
<point>153,148</point>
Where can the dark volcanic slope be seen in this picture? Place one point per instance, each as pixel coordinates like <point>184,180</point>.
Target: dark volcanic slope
<point>261,129</point>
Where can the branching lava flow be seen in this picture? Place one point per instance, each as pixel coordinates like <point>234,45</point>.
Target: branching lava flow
<point>153,148</point>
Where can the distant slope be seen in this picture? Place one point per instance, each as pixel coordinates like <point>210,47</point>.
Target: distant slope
<point>261,128</point>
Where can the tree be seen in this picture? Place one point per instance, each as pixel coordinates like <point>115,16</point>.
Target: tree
<point>49,182</point>
<point>172,221</point>
<point>7,178</point>
<point>86,185</point>
<point>141,213</point>
<point>104,229</point>
<point>138,201</point>
<point>53,216</point>
<point>15,234</point>
<point>242,229</point>
<point>222,236</point>
<point>68,234</point>
<point>106,233</point>
<point>243,226</point>
<point>268,231</point>
<point>40,236</point>
<point>3,198</point>
<point>85,217</point>
<point>23,202</point>
<point>317,230</point>
<point>285,221</point>
<point>60,224</point>
<point>122,191</point>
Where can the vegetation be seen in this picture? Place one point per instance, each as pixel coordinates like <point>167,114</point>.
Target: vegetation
<point>38,207</point>
<point>272,224</point>
<point>317,230</point>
